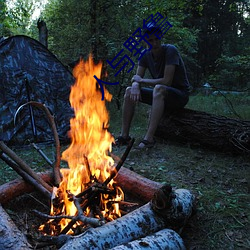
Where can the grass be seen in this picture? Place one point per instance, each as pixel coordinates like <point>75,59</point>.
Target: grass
<point>219,180</point>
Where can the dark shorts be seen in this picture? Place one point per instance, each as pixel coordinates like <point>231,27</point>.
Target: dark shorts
<point>174,100</point>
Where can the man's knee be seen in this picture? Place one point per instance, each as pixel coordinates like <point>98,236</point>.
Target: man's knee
<point>159,91</point>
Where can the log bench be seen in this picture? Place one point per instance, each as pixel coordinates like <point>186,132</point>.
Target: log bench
<point>211,131</point>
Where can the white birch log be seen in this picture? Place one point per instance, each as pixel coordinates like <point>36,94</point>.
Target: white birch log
<point>162,240</point>
<point>10,237</point>
<point>139,223</point>
<point>150,218</point>
<point>175,207</point>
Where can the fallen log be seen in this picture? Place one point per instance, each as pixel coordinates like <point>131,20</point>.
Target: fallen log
<point>163,239</point>
<point>136,185</point>
<point>150,218</point>
<point>212,131</point>
<point>10,237</point>
<point>18,187</point>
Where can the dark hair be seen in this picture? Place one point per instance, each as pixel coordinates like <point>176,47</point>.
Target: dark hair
<point>151,28</point>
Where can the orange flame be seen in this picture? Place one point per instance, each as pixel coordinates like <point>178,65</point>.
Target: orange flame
<point>90,138</point>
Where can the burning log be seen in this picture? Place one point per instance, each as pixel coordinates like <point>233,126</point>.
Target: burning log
<point>165,210</point>
<point>163,239</point>
<point>10,237</point>
<point>216,132</point>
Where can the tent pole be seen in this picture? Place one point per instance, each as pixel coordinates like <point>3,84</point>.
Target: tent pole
<point>33,125</point>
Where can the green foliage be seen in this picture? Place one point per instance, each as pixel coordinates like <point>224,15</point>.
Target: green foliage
<point>4,24</point>
<point>19,17</point>
<point>212,35</point>
<point>233,72</point>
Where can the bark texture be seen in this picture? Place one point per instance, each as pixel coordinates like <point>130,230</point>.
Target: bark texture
<point>140,187</point>
<point>212,131</point>
<point>15,188</point>
<point>167,209</point>
<point>162,240</point>
<point>10,237</point>
<point>131,182</point>
<point>43,32</point>
<point>139,223</point>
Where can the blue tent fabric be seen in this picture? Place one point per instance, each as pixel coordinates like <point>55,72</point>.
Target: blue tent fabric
<point>29,71</point>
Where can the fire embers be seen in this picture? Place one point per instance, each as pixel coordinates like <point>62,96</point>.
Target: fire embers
<point>95,206</point>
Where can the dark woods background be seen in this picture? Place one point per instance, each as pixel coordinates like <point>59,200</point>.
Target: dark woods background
<point>212,35</point>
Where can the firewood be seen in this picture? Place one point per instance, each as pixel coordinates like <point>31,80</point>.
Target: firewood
<point>11,154</point>
<point>136,185</point>
<point>140,187</point>
<point>26,176</point>
<point>138,223</point>
<point>10,237</point>
<point>150,218</point>
<point>163,239</point>
<point>120,163</point>
<point>18,187</point>
<point>56,168</point>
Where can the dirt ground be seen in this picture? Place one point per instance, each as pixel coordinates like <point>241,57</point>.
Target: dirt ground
<point>220,182</point>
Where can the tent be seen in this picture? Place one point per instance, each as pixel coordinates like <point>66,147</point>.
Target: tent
<point>30,72</point>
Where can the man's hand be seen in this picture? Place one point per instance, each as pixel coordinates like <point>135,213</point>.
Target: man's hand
<point>135,93</point>
<point>136,78</point>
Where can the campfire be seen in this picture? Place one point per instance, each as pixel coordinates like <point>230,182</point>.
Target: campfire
<point>87,188</point>
<point>87,198</point>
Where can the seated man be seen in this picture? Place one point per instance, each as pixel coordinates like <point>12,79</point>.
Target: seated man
<point>169,87</point>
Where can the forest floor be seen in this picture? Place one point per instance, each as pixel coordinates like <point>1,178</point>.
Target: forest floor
<point>219,180</point>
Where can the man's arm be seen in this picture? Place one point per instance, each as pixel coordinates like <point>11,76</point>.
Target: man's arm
<point>166,80</point>
<point>135,93</point>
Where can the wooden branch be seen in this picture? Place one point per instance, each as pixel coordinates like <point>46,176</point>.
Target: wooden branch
<point>26,176</point>
<point>120,163</point>
<point>10,237</point>
<point>23,165</point>
<point>57,174</point>
<point>42,154</point>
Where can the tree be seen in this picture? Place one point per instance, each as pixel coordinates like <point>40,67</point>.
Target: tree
<point>223,32</point>
<point>4,21</point>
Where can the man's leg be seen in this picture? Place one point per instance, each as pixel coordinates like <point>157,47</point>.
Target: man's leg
<point>157,111</point>
<point>127,113</point>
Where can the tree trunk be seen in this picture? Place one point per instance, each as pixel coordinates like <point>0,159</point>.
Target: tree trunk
<point>10,237</point>
<point>43,32</point>
<point>212,131</point>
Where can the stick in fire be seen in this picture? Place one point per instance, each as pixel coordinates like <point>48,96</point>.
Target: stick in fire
<point>89,198</point>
